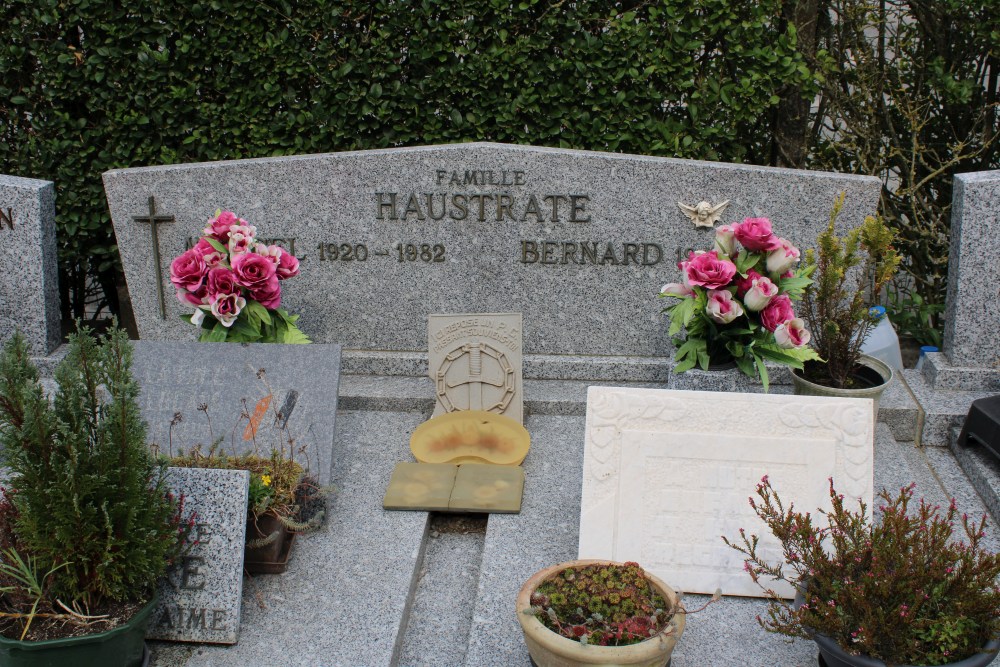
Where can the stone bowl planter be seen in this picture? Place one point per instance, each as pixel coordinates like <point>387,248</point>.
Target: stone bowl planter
<point>548,649</point>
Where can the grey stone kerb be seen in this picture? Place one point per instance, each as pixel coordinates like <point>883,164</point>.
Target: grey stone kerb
<point>972,317</point>
<point>579,242</point>
<point>29,283</point>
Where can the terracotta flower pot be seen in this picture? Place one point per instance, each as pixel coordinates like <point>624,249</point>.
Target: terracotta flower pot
<point>271,558</point>
<point>548,649</point>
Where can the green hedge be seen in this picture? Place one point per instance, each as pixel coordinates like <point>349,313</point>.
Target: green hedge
<point>91,85</point>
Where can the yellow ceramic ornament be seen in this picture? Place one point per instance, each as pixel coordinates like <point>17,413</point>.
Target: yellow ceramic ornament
<point>470,436</point>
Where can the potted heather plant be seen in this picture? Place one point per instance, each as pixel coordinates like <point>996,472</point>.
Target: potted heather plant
<point>851,273</point>
<point>87,526</point>
<point>593,612</point>
<point>734,303</point>
<point>900,591</point>
<point>234,282</point>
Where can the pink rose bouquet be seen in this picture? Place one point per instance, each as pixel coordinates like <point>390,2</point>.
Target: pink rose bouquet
<point>735,302</point>
<point>234,282</point>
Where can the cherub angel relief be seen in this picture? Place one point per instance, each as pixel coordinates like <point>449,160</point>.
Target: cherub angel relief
<point>704,214</point>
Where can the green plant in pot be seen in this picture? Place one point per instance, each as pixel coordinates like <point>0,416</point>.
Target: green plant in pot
<point>87,526</point>
<point>592,612</point>
<point>903,590</point>
<point>850,273</point>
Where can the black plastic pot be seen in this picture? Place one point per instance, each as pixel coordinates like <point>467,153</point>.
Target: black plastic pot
<point>832,655</point>
<point>120,647</point>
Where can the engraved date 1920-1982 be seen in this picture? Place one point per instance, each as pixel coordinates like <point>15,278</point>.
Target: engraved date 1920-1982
<point>403,252</point>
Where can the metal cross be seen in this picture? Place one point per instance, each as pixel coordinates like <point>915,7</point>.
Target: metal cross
<point>153,221</point>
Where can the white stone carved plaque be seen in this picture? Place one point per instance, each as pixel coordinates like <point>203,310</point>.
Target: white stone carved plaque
<point>667,473</point>
<point>475,363</point>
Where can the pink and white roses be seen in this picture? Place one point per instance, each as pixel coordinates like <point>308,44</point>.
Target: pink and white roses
<point>792,334</point>
<point>722,307</point>
<point>187,272</point>
<point>734,302</point>
<point>709,271</point>
<point>755,235</point>
<point>233,279</point>
<point>777,312</point>
<point>761,292</point>
<point>783,258</point>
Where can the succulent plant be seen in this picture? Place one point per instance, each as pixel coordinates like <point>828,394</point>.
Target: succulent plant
<point>602,604</point>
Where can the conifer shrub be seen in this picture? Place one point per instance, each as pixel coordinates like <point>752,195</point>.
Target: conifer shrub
<point>87,504</point>
<point>850,274</point>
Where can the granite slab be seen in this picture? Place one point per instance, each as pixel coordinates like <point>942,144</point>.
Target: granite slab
<point>726,633</point>
<point>437,630</point>
<point>29,286</point>
<point>942,410</point>
<point>941,374</point>
<point>249,397</point>
<point>347,593</point>
<point>201,596</point>
<point>576,241</point>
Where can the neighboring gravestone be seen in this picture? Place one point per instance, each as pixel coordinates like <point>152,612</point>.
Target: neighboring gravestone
<point>972,318</point>
<point>254,397</point>
<point>201,595</point>
<point>578,242</point>
<point>29,289</point>
<point>665,473</point>
<point>475,363</point>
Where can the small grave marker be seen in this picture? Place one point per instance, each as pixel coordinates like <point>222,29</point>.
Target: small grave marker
<point>254,396</point>
<point>201,595</point>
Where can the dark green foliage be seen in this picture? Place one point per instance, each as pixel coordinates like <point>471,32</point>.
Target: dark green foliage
<point>910,93</point>
<point>89,86</point>
<point>904,590</point>
<point>86,490</point>
<point>602,604</point>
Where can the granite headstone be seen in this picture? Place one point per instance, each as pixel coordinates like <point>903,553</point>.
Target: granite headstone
<point>578,242</point>
<point>201,595</point>
<point>972,317</point>
<point>248,397</point>
<point>968,368</point>
<point>666,472</point>
<point>29,286</point>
